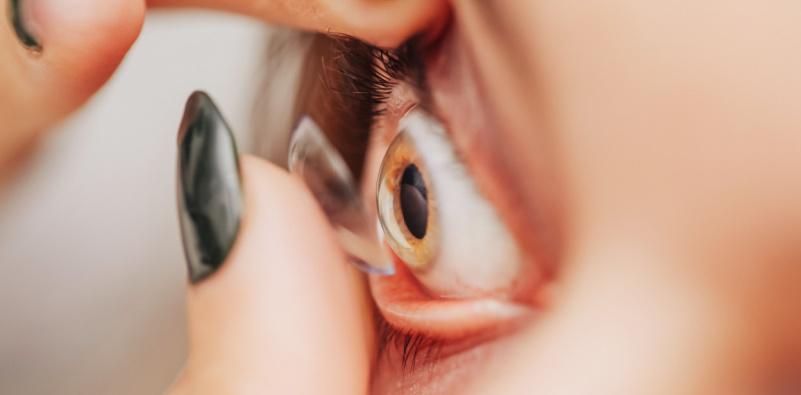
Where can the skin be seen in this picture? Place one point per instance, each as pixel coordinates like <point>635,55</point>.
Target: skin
<point>660,142</point>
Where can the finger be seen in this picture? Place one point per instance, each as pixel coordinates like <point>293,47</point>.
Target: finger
<point>55,54</point>
<point>280,311</point>
<point>383,23</point>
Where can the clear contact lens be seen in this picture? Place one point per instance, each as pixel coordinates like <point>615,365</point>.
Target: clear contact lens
<point>322,168</point>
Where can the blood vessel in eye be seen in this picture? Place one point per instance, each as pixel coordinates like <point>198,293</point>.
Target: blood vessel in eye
<point>414,201</point>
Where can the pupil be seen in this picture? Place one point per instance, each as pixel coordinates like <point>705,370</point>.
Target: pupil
<point>414,201</point>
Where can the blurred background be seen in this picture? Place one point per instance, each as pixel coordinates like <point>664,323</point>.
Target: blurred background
<point>93,286</point>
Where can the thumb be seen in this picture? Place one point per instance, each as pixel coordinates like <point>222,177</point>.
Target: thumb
<point>54,54</point>
<point>280,311</point>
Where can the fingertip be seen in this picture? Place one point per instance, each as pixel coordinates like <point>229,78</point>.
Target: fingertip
<point>282,221</point>
<point>84,22</point>
<point>63,52</point>
<point>388,24</point>
<point>84,40</point>
<point>259,318</point>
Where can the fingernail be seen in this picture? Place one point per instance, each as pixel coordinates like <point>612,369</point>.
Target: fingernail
<point>20,20</point>
<point>209,188</point>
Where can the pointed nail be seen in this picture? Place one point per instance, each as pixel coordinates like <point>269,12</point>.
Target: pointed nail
<point>209,189</point>
<point>20,22</point>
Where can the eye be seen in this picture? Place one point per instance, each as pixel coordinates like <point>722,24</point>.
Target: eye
<point>407,205</point>
<point>436,220</point>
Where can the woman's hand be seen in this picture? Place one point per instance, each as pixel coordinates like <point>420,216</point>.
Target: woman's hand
<point>284,314</point>
<point>55,54</point>
<point>64,51</point>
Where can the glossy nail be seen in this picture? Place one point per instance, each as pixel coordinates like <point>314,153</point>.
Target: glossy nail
<point>17,15</point>
<point>209,189</point>
<point>322,168</point>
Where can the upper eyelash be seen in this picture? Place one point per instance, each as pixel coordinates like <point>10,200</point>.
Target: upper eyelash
<point>368,74</point>
<point>361,77</point>
<point>353,80</point>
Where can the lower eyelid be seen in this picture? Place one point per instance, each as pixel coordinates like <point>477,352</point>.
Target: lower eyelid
<point>407,307</point>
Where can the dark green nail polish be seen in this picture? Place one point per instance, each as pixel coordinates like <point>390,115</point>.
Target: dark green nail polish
<point>15,14</point>
<point>209,189</point>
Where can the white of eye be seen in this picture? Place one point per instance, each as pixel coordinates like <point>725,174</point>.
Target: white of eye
<point>475,254</point>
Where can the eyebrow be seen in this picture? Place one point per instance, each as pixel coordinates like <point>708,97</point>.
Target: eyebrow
<point>346,83</point>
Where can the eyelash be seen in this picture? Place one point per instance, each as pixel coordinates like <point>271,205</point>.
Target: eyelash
<point>363,76</point>
<point>346,84</point>
<point>409,343</point>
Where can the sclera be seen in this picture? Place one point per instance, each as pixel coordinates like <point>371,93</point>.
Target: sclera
<point>468,251</point>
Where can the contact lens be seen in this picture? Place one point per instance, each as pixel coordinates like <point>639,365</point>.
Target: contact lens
<point>322,168</point>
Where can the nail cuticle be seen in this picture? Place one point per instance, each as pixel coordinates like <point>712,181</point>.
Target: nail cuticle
<point>210,201</point>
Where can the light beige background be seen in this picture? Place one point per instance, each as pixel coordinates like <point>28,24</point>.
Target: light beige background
<point>91,290</point>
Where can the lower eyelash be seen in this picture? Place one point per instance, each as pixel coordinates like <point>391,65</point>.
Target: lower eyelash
<point>415,348</point>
